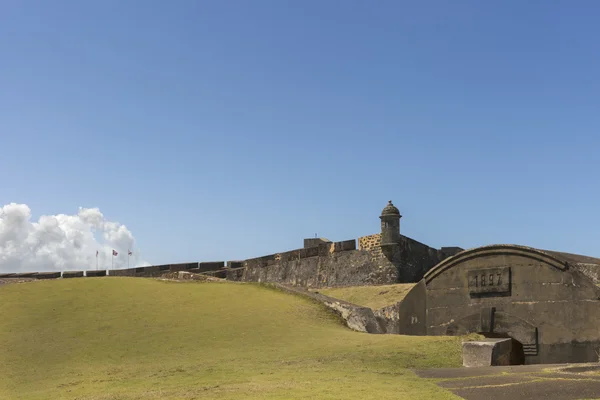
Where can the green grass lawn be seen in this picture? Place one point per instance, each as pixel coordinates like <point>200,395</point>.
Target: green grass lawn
<point>133,338</point>
<point>374,297</point>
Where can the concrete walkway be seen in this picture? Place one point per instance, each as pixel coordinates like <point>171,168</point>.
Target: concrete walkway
<point>520,382</point>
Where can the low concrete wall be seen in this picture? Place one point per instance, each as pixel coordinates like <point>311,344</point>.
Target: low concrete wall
<point>183,267</point>
<point>94,273</point>
<point>211,266</point>
<point>123,272</point>
<point>72,274</point>
<point>47,275</point>
<point>24,275</point>
<point>235,264</point>
<point>150,271</point>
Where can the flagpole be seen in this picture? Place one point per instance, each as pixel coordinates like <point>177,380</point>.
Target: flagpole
<point>112,265</point>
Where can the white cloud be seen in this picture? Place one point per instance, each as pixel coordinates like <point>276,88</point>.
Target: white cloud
<point>62,242</point>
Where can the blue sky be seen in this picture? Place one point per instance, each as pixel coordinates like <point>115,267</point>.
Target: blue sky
<point>219,130</point>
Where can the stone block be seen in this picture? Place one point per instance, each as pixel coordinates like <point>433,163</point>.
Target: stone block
<point>123,272</point>
<point>47,275</point>
<point>72,274</point>
<point>487,352</point>
<point>182,267</point>
<point>24,275</point>
<point>235,264</point>
<point>315,242</point>
<point>93,273</point>
<point>211,266</point>
<point>346,245</point>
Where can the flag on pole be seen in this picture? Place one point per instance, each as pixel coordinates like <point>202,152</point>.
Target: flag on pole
<point>129,252</point>
<point>96,253</point>
<point>115,252</point>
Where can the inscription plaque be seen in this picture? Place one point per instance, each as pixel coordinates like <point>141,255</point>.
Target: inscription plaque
<point>489,280</point>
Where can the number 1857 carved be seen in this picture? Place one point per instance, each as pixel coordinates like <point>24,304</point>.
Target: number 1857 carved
<point>489,280</point>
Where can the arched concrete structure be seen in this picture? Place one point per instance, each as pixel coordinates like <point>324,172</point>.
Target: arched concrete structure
<point>538,298</point>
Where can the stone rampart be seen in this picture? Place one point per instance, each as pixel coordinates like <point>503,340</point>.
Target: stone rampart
<point>325,264</point>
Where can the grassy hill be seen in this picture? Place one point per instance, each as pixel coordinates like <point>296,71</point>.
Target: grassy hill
<point>131,338</point>
<point>374,297</point>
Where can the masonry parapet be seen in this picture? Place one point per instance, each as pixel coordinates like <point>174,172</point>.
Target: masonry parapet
<point>24,275</point>
<point>183,266</point>
<point>346,245</point>
<point>123,272</point>
<point>47,275</point>
<point>94,273</point>
<point>72,274</point>
<point>235,264</point>
<point>210,266</point>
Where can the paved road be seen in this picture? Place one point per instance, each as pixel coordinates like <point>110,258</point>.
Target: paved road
<point>522,382</point>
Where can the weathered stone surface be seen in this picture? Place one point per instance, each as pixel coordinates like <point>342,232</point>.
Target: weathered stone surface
<point>487,352</point>
<point>369,243</point>
<point>388,318</point>
<point>337,264</point>
<point>592,271</point>
<point>537,298</point>
<point>235,274</point>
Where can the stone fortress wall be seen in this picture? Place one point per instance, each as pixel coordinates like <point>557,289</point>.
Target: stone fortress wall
<point>319,263</point>
<point>324,263</point>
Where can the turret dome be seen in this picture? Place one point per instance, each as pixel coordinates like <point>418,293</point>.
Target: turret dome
<point>390,209</point>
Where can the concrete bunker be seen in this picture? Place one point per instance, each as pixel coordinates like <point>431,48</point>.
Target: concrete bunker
<point>541,299</point>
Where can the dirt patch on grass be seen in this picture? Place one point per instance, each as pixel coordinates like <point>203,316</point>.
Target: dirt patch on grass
<point>188,276</point>
<point>6,281</point>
